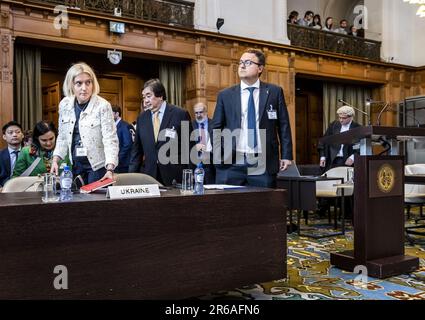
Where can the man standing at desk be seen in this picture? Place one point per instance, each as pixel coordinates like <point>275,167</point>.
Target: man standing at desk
<point>255,112</point>
<point>159,124</point>
<point>332,156</point>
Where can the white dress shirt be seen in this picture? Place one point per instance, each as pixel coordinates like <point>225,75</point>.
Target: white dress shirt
<point>344,128</point>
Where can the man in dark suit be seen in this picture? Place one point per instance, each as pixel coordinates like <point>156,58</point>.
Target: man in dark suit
<point>255,114</point>
<point>157,149</point>
<point>332,156</point>
<point>202,127</point>
<point>13,135</point>
<point>125,138</point>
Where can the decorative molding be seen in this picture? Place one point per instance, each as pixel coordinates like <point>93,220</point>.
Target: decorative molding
<point>6,63</point>
<point>4,18</point>
<point>172,12</point>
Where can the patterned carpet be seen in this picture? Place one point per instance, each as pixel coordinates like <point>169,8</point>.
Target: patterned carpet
<point>311,277</point>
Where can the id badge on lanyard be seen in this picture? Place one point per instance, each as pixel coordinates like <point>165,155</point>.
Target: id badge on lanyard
<point>81,151</point>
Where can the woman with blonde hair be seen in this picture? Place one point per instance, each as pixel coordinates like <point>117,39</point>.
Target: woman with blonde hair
<point>87,131</point>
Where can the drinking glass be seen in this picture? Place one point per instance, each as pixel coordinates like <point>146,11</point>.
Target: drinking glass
<point>187,181</point>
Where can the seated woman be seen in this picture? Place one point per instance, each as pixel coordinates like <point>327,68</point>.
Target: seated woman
<point>37,158</point>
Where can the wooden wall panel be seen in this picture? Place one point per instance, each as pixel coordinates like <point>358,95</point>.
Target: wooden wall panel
<point>421,82</point>
<point>132,97</point>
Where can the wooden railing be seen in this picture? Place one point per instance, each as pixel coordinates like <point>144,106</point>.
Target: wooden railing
<point>306,37</point>
<point>173,12</point>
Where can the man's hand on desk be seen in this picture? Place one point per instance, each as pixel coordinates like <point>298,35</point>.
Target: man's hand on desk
<point>284,164</point>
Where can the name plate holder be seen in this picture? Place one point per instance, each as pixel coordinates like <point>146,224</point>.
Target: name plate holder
<point>133,191</point>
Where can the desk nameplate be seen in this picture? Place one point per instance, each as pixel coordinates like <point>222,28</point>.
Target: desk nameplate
<point>132,192</point>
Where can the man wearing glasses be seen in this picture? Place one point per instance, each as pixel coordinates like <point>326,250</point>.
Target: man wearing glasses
<point>202,127</point>
<point>332,156</point>
<point>256,115</point>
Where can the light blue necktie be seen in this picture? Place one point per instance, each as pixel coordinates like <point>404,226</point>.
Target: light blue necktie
<point>13,163</point>
<point>252,128</point>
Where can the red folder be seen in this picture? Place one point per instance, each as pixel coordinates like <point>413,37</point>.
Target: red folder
<point>96,185</point>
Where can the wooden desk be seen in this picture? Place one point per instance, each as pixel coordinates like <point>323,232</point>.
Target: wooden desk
<point>301,191</point>
<point>302,197</point>
<point>169,247</point>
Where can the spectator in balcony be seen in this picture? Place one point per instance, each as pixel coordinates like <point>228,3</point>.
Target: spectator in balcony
<point>342,27</point>
<point>293,17</point>
<point>329,25</point>
<point>308,19</point>
<point>317,22</point>
<point>353,31</point>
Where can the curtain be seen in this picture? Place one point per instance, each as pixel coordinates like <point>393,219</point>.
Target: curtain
<point>27,90</point>
<point>354,95</point>
<point>171,76</point>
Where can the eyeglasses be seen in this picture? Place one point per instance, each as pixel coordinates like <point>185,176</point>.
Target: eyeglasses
<point>199,112</point>
<point>343,118</point>
<point>247,63</point>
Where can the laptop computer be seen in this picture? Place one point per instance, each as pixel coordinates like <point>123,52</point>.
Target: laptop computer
<point>293,171</point>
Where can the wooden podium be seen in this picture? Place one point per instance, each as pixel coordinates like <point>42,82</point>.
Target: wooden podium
<point>378,203</point>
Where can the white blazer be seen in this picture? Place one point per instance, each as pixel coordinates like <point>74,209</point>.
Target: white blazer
<point>97,129</point>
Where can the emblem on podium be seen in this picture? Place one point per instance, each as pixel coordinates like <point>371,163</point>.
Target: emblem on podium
<point>386,178</point>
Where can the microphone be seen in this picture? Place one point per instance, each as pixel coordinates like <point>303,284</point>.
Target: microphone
<point>361,111</point>
<point>369,103</point>
<point>387,107</point>
<point>378,120</point>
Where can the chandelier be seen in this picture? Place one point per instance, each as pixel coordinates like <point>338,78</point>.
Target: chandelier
<point>421,10</point>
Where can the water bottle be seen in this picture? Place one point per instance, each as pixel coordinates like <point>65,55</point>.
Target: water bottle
<point>66,184</point>
<point>199,179</point>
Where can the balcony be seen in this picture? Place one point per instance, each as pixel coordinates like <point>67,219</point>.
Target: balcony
<point>171,12</point>
<point>310,38</point>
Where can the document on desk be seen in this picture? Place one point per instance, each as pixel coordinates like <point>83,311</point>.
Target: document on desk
<point>221,186</point>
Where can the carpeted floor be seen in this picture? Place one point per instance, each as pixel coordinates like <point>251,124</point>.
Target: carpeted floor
<point>311,277</point>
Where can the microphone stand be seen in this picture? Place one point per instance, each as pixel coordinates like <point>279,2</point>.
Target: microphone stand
<point>378,120</point>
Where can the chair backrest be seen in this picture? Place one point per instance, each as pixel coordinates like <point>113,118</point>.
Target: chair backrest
<point>338,172</point>
<point>23,184</point>
<point>328,186</point>
<point>124,179</point>
<point>414,189</point>
<point>417,168</point>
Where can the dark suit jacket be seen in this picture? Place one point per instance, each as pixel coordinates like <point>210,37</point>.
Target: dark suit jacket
<point>4,166</point>
<point>126,142</point>
<point>144,154</point>
<point>330,151</point>
<point>227,115</point>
